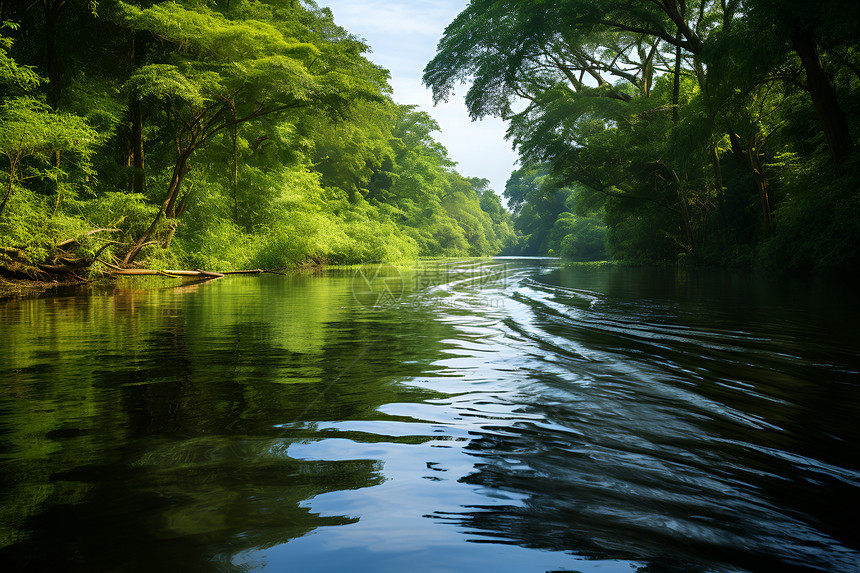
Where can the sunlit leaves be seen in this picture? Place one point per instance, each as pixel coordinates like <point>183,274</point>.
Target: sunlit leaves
<point>164,81</point>
<point>15,78</point>
<point>203,31</point>
<point>258,131</point>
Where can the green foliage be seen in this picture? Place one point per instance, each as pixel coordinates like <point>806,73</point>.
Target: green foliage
<point>693,128</point>
<point>554,220</point>
<point>15,79</point>
<point>817,226</point>
<point>47,162</point>
<point>222,136</point>
<point>581,238</point>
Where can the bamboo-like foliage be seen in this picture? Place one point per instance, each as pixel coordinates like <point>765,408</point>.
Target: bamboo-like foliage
<point>219,135</point>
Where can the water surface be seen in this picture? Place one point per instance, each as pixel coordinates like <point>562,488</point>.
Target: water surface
<point>507,415</point>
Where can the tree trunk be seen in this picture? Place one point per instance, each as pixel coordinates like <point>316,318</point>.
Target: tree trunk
<point>677,12</point>
<point>136,144</point>
<point>168,208</point>
<point>9,189</point>
<point>757,169</point>
<point>172,232</point>
<point>51,9</point>
<point>14,160</point>
<point>718,174</point>
<point>647,71</point>
<point>737,152</point>
<point>830,115</point>
<point>169,238</point>
<point>647,59</point>
<point>751,161</point>
<point>173,192</point>
<point>179,171</point>
<point>676,88</point>
<point>132,254</point>
<point>184,202</point>
<point>234,182</point>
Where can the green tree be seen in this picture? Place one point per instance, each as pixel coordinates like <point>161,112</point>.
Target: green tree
<point>235,133</point>
<point>644,102</point>
<point>219,73</point>
<point>804,28</point>
<point>47,153</point>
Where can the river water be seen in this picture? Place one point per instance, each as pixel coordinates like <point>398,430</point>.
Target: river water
<point>506,415</point>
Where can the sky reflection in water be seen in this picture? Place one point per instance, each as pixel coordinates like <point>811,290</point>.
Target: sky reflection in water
<point>506,416</point>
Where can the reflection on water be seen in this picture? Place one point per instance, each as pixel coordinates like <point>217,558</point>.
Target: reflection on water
<point>512,415</point>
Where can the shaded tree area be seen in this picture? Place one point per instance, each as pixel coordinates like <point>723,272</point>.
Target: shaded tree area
<point>215,134</point>
<point>712,131</point>
<point>554,221</point>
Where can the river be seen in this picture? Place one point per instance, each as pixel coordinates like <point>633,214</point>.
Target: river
<point>505,415</point>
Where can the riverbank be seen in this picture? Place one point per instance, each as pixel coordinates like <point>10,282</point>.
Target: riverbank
<point>20,288</point>
<point>27,288</point>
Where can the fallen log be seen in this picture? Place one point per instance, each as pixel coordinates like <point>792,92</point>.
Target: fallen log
<point>62,269</point>
<point>255,272</point>
<point>174,273</point>
<point>14,252</point>
<point>211,274</point>
<point>87,234</point>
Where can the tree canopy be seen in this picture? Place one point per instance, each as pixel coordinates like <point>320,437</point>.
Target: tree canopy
<point>711,130</point>
<point>222,135</point>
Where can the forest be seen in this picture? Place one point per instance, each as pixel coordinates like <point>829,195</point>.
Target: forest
<point>219,135</point>
<point>235,134</point>
<point>710,132</point>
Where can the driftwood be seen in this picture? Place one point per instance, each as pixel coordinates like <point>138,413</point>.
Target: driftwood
<point>14,264</point>
<point>87,234</point>
<point>195,273</point>
<point>256,272</point>
<point>67,267</point>
<point>169,273</point>
<point>64,265</point>
<point>16,252</point>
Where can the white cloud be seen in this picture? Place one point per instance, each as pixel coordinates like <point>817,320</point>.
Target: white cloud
<point>426,19</point>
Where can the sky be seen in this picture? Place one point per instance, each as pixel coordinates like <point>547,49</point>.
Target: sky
<point>403,35</point>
